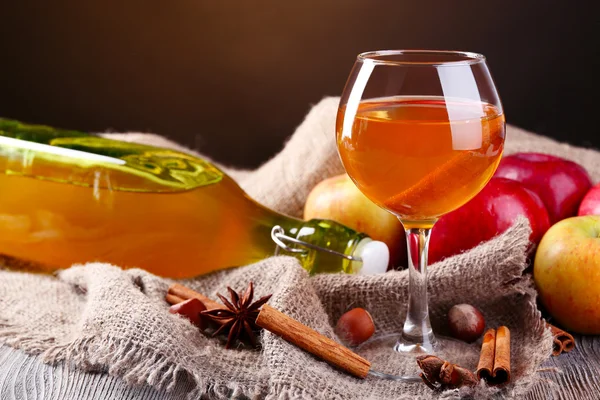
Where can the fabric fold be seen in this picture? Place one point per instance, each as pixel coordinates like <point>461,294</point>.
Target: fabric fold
<point>103,318</point>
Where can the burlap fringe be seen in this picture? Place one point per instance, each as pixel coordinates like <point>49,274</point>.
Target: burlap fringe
<point>149,367</point>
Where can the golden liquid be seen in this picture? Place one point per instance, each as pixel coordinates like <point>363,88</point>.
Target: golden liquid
<point>177,234</point>
<point>420,158</point>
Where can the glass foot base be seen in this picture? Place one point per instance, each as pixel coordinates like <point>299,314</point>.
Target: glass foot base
<point>440,346</point>
<point>414,348</point>
<point>425,344</point>
<point>393,359</point>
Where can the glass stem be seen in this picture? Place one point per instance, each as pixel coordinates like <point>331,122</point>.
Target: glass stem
<point>417,328</point>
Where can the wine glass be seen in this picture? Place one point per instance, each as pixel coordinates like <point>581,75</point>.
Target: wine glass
<point>420,133</point>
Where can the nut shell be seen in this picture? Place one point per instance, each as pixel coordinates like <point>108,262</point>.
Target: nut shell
<point>465,322</point>
<point>355,326</point>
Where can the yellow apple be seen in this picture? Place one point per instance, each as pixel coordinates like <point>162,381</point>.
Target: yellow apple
<point>567,273</point>
<point>338,199</point>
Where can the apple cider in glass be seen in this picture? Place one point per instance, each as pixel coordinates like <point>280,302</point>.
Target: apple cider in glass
<point>420,157</point>
<point>420,132</point>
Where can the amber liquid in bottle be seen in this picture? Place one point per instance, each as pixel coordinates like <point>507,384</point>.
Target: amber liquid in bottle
<point>67,198</point>
<point>420,157</point>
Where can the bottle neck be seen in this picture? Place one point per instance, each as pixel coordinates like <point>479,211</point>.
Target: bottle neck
<point>324,234</point>
<point>259,224</point>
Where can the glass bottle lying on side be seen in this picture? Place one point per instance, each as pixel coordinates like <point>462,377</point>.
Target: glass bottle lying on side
<point>67,197</point>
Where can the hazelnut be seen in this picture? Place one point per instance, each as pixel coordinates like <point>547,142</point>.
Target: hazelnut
<point>465,322</point>
<point>191,310</point>
<point>355,326</point>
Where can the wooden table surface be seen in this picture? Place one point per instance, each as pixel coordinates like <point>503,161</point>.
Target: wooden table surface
<point>572,376</point>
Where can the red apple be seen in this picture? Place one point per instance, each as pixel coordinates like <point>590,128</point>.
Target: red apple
<point>590,205</point>
<point>488,214</point>
<point>567,273</point>
<point>339,199</point>
<point>560,183</point>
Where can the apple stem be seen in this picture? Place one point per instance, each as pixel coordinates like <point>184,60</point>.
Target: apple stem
<point>417,333</point>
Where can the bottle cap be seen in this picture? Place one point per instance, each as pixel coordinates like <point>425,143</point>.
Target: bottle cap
<point>375,256</point>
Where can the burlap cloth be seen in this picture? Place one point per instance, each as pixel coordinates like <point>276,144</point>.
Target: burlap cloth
<point>99,317</point>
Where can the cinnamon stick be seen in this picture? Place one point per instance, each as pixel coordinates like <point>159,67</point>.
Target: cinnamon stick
<point>486,358</point>
<point>178,293</point>
<point>494,360</point>
<point>172,299</point>
<point>564,342</point>
<point>459,165</point>
<point>501,371</point>
<point>455,166</point>
<point>311,341</point>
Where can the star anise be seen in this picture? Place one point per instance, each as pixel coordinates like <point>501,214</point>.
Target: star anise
<point>239,318</point>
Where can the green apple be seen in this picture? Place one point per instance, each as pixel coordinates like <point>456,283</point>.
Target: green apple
<point>567,273</point>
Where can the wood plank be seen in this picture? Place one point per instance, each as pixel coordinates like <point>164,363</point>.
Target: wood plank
<point>24,377</point>
<point>572,376</point>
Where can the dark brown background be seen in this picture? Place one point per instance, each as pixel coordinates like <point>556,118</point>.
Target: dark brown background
<point>234,78</point>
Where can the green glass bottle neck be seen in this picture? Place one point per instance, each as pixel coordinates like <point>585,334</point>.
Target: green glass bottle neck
<point>324,234</point>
